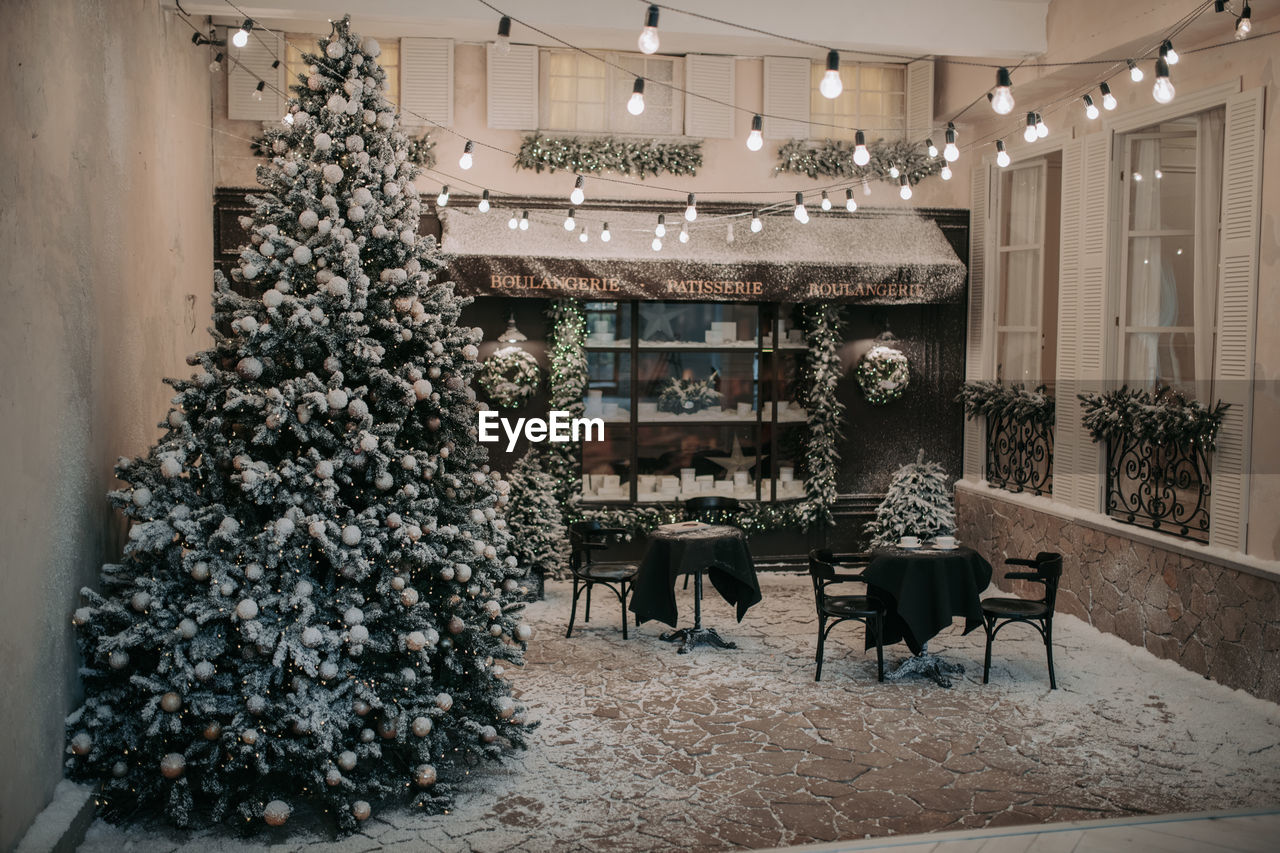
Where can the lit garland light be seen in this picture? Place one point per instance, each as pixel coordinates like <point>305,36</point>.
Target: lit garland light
<point>755,139</point>
<point>1002,95</point>
<point>466,160</point>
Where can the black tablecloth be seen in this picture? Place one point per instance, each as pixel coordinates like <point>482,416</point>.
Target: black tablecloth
<point>719,549</point>
<point>923,590</point>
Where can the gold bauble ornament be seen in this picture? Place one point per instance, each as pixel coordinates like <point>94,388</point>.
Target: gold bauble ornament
<point>82,743</point>
<point>213,731</point>
<point>360,810</point>
<point>171,702</point>
<point>424,776</point>
<point>276,813</point>
<point>173,765</point>
<point>421,726</point>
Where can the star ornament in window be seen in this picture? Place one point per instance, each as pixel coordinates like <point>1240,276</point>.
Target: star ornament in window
<point>736,461</point>
<point>657,320</point>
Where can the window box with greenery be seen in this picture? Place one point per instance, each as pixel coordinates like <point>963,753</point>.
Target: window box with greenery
<point>1159,454</point>
<point>1019,434</point>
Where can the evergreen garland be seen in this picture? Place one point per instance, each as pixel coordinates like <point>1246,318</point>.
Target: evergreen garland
<point>422,151</point>
<point>1015,402</point>
<point>918,503</point>
<point>883,374</point>
<point>826,412</point>
<point>834,159</point>
<point>635,158</point>
<point>1162,416</point>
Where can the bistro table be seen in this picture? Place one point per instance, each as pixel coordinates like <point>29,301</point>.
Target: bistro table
<point>694,548</point>
<point>923,589</point>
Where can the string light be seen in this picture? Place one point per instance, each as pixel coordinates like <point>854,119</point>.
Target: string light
<point>216,65</point>
<point>466,160</point>
<point>1002,156</point>
<point>582,236</point>
<point>483,206</point>
<point>656,245</point>
<point>443,198</point>
<point>849,204</point>
<point>1090,111</point>
<point>861,156</point>
<point>691,208</point>
<point>605,236</point>
<point>1029,133</point>
<point>893,171</point>
<point>1244,23</point>
<point>1002,95</point>
<point>241,37</point>
<point>577,196</point>
<point>513,222</point>
<point>1042,130</point>
<point>569,223</point>
<point>1108,99</point>
<point>831,85</point>
<point>945,174</point>
<point>950,152</point>
<point>931,148</point>
<point>826,202</point>
<point>802,215</point>
<point>648,40</point>
<point>661,229</point>
<point>1135,73</point>
<point>866,186</point>
<point>755,139</point>
<point>257,92</point>
<point>524,221</point>
<point>684,233</point>
<point>1167,53</point>
<point>756,225</point>
<point>1163,90</point>
<point>503,45</point>
<point>905,191</point>
<point>635,106</point>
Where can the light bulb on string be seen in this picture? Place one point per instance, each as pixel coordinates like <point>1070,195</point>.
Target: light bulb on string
<point>931,148</point>
<point>950,152</point>
<point>503,44</point>
<point>578,196</point>
<point>826,202</point>
<point>691,208</point>
<point>1002,95</point>
<point>660,230</point>
<point>216,65</point>
<point>831,85</point>
<point>524,220</point>
<point>893,171</point>
<point>861,156</point>
<point>1135,73</point>
<point>582,235</point>
<point>648,40</point>
<point>483,206</point>
<point>257,91</point>
<point>1244,23</point>
<point>945,174</point>
<point>756,225</point>
<point>1108,99</point>
<point>684,233</point>
<point>1168,54</point>
<point>466,160</point>
<point>755,139</point>
<point>1090,110</point>
<point>905,191</point>
<point>866,186</point>
<point>569,223</point>
<point>849,204</point>
<point>656,245</point>
<point>241,37</point>
<point>605,236</point>
<point>802,215</point>
<point>1002,156</point>
<point>635,105</point>
<point>443,198</point>
<point>1163,90</point>
<point>1042,129</point>
<point>513,223</point>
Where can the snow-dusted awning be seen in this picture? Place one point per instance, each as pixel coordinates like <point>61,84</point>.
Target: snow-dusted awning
<point>877,259</point>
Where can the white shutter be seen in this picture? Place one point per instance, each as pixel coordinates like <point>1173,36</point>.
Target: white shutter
<point>512,88</point>
<point>1095,218</point>
<point>1068,432</point>
<point>706,77</point>
<point>1237,297</point>
<point>975,438</point>
<point>787,85</point>
<point>919,99</point>
<point>426,81</point>
<point>250,64</point>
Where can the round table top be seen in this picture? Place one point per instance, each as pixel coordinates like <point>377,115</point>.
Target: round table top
<point>701,531</point>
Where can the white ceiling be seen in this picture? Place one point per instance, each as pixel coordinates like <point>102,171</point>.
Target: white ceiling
<point>990,28</point>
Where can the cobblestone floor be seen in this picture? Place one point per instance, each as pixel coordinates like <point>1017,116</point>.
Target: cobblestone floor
<point>643,749</point>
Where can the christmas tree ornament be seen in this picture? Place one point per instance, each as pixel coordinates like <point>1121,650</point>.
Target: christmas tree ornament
<point>173,765</point>
<point>424,776</point>
<point>884,372</point>
<point>360,810</point>
<point>421,726</point>
<point>81,743</point>
<point>170,702</point>
<point>213,731</point>
<point>276,813</point>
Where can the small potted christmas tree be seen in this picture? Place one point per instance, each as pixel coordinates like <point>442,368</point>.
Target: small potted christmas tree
<point>918,503</point>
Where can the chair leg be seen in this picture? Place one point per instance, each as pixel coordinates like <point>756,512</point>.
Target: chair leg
<point>986,662</point>
<point>587,616</point>
<point>879,629</point>
<point>624,609</point>
<point>686,581</point>
<point>1048,647</point>
<point>822,639</point>
<point>573,610</point>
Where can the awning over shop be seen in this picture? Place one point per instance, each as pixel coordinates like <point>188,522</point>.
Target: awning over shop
<point>877,259</point>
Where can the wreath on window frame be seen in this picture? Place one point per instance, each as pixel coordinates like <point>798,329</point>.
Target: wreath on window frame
<point>510,377</point>
<point>883,374</point>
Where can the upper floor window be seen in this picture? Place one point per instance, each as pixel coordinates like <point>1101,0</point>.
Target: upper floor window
<point>389,59</point>
<point>1172,177</point>
<point>874,100</point>
<point>580,93</point>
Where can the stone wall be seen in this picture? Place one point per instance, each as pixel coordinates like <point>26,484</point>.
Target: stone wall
<point>1213,620</point>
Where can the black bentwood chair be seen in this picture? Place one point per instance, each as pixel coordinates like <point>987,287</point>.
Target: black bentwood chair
<point>1046,568</point>
<point>711,509</point>
<point>842,608</point>
<point>586,538</point>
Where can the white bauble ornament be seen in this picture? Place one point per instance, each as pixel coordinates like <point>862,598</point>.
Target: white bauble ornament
<point>256,704</point>
<point>170,466</point>
<point>462,572</point>
<point>200,571</point>
<point>488,734</point>
<point>447,573</point>
<point>355,142</point>
<point>495,630</point>
<point>366,735</point>
<point>408,596</point>
<point>351,535</point>
<point>322,142</point>
<point>249,367</point>
<point>170,702</point>
<point>337,399</point>
<point>332,174</point>
<point>81,744</point>
<point>338,285</point>
<point>302,589</point>
<point>398,583</point>
<point>408,676</point>
<point>416,641</point>
<point>333,777</point>
<point>119,769</point>
<point>204,670</point>
<point>140,601</point>
<point>393,520</point>
<point>360,810</point>
<point>316,529</point>
<point>368,442</point>
<point>247,609</point>
<point>272,298</point>
<point>311,636</point>
<point>347,761</point>
<point>407,236</point>
<point>315,83</point>
<point>384,481</point>
<point>357,409</point>
<point>355,213</point>
<point>490,552</point>
<point>353,616</point>
<point>324,469</point>
<point>362,196</point>
<point>276,812</point>
<point>82,616</point>
<point>385,120</point>
<point>308,219</point>
<point>361,707</point>
<point>328,670</point>
<point>391,189</point>
<point>422,389</point>
<point>470,352</point>
<point>334,50</point>
<point>302,254</point>
<point>370,47</point>
<point>505,707</point>
<point>493,609</point>
<point>509,585</point>
<point>524,632</point>
<point>284,527</point>
<point>358,634</point>
<point>172,765</point>
<point>424,776</point>
<point>118,659</point>
<point>187,629</point>
<point>249,737</point>
<point>444,701</point>
<point>456,625</point>
<point>337,103</point>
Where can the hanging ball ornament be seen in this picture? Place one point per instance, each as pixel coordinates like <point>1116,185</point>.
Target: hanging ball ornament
<point>360,810</point>
<point>358,634</point>
<point>463,573</point>
<point>416,641</point>
<point>456,625</point>
<point>277,812</point>
<point>351,535</point>
<point>361,707</point>
<point>505,706</point>
<point>141,496</point>
<point>444,701</point>
<point>249,367</point>
<point>424,776</point>
<point>249,737</point>
<point>347,760</point>
<point>387,729</point>
<point>173,765</point>
<point>118,659</point>
<point>140,601</point>
<point>170,702</point>
<point>204,670</point>
<point>488,734</point>
<point>247,609</point>
<point>421,726</point>
<point>332,174</point>
<point>213,731</point>
<point>308,219</point>
<point>524,632</point>
<point>81,744</point>
<point>119,769</point>
<point>333,777</point>
<point>408,596</point>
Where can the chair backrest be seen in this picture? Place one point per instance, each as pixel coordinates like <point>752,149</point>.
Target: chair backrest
<point>712,508</point>
<point>580,533</point>
<point>821,572</point>
<point>1049,567</point>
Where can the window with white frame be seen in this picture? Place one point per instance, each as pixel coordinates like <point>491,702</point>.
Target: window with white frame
<point>1172,190</point>
<point>1026,273</point>
<point>389,59</point>
<point>583,94</point>
<point>874,100</point>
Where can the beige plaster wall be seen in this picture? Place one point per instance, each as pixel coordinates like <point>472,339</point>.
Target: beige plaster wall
<point>106,235</point>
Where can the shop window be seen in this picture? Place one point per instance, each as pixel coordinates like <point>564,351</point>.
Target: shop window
<point>874,99</point>
<point>583,94</point>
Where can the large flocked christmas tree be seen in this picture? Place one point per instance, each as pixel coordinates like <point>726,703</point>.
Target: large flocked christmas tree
<point>316,602</point>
